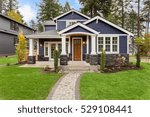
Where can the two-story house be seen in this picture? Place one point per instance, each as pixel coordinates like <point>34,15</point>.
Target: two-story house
<point>9,30</point>
<point>80,38</point>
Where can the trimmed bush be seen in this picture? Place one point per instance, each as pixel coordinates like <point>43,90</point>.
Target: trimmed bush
<point>56,56</point>
<point>103,60</point>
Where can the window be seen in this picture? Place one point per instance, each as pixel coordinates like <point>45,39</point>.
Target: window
<point>69,23</point>
<point>15,41</point>
<point>46,49</point>
<point>14,26</point>
<point>114,44</point>
<point>100,43</point>
<point>109,44</point>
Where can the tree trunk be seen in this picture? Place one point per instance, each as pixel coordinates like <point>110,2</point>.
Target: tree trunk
<point>122,14</point>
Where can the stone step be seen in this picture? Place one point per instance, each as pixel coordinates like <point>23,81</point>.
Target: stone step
<point>79,68</point>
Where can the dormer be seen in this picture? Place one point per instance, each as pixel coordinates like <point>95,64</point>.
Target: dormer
<point>49,25</point>
<point>69,18</point>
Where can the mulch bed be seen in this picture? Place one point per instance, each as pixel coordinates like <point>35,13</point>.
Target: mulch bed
<point>118,68</point>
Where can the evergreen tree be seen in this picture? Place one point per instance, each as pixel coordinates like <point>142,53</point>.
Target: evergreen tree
<point>2,6</point>
<point>95,7</point>
<point>66,7</point>
<point>146,14</point>
<point>48,9</point>
<point>12,5</point>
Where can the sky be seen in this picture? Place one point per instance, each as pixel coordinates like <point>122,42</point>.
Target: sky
<point>29,8</point>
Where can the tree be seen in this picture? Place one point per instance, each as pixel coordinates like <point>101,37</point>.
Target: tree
<point>103,60</point>
<point>48,9</point>
<point>2,6</point>
<point>56,56</point>
<point>11,5</point>
<point>21,48</point>
<point>95,7</point>
<point>66,7</point>
<point>15,16</point>
<point>146,14</point>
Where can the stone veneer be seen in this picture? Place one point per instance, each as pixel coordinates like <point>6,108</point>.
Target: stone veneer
<point>63,60</point>
<point>116,59</point>
<point>93,59</point>
<point>31,59</point>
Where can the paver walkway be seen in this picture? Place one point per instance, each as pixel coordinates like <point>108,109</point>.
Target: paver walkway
<point>66,88</point>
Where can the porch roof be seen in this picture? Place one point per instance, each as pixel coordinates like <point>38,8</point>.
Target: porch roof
<point>48,34</point>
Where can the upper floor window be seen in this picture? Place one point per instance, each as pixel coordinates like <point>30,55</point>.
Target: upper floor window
<point>69,23</point>
<point>14,26</point>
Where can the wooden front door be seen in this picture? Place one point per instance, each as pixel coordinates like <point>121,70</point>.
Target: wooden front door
<point>77,49</point>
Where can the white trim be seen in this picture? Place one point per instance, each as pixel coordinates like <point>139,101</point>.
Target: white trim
<point>38,46</point>
<point>93,43</point>
<point>82,33</point>
<point>128,37</point>
<point>72,20</point>
<point>31,47</point>
<point>63,43</point>
<point>104,44</point>
<point>87,44</point>
<point>45,50</point>
<point>78,24</point>
<point>102,19</point>
<point>69,45</point>
<point>56,24</point>
<point>73,47</point>
<point>72,10</point>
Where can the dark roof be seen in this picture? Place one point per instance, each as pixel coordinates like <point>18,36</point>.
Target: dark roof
<point>4,16</point>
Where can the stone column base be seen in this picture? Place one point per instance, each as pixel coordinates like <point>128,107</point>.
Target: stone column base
<point>31,59</point>
<point>93,59</point>
<point>87,58</point>
<point>63,60</point>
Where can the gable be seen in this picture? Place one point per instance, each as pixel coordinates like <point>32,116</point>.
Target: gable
<point>104,28</point>
<point>79,29</point>
<point>72,16</point>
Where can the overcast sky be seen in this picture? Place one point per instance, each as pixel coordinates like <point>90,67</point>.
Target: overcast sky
<point>29,8</point>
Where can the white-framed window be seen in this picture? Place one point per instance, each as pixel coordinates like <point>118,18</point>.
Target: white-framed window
<point>109,43</point>
<point>100,43</point>
<point>46,49</point>
<point>71,22</point>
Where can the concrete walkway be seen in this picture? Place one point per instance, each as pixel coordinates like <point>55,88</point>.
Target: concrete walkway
<point>67,88</point>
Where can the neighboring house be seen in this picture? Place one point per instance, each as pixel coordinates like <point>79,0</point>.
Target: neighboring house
<point>80,38</point>
<point>9,30</point>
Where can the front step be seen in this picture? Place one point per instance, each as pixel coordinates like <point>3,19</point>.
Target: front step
<point>79,68</point>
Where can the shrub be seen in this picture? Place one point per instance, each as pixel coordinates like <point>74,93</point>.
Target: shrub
<point>56,56</point>
<point>103,60</point>
<point>21,48</point>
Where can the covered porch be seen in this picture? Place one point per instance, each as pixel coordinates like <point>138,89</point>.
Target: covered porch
<point>75,43</point>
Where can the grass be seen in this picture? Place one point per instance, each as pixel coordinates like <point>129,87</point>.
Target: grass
<point>25,83</point>
<point>9,59</point>
<point>125,85</point>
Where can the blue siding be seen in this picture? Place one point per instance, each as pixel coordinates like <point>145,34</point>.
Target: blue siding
<point>48,28</point>
<point>123,44</point>
<point>78,29</point>
<point>104,28</point>
<point>61,25</point>
<point>73,16</point>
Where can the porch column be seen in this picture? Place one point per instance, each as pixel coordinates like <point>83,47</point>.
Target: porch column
<point>37,46</point>
<point>93,48</point>
<point>31,47</point>
<point>63,56</point>
<point>93,57</point>
<point>63,42</point>
<point>31,57</point>
<point>87,45</point>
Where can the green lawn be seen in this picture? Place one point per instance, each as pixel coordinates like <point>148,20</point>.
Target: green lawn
<point>25,83</point>
<point>126,85</point>
<point>10,59</point>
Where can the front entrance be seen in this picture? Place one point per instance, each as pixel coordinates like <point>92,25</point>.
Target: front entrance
<point>77,49</point>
